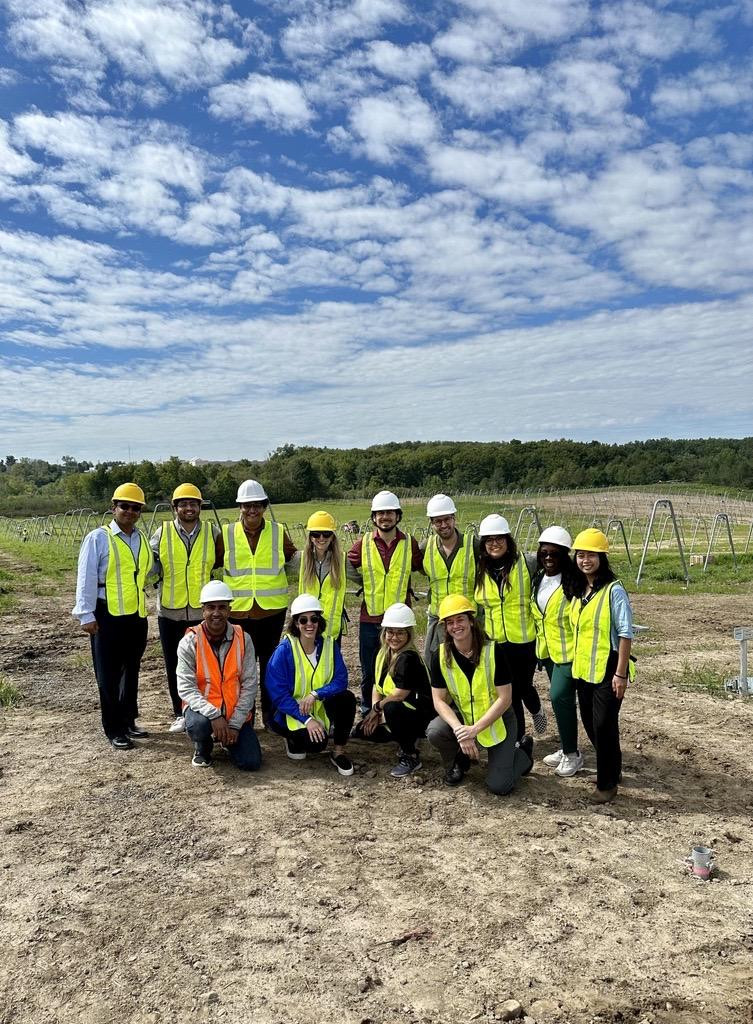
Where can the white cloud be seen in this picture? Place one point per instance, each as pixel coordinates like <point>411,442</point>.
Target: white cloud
<point>276,102</point>
<point>393,121</point>
<point>402,62</point>
<point>329,24</point>
<point>705,88</point>
<point>12,163</point>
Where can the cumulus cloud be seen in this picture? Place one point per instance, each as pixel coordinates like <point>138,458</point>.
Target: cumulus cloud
<point>392,121</point>
<point>328,24</point>
<point>275,102</point>
<point>705,88</point>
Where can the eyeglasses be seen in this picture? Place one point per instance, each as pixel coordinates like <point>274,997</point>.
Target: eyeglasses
<point>253,506</point>
<point>305,620</point>
<point>438,520</point>
<point>497,538</point>
<point>318,534</point>
<point>128,507</point>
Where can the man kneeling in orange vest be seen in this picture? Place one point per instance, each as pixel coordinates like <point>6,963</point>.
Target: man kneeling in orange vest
<point>217,682</point>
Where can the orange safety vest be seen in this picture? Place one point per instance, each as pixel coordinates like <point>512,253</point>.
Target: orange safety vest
<point>221,687</point>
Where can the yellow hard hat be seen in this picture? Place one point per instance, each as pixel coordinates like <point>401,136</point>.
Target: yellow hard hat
<point>129,492</point>
<point>187,491</point>
<point>321,521</point>
<point>591,540</point>
<point>455,604</point>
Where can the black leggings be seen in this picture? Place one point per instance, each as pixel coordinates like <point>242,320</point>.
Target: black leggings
<point>404,726</point>
<point>521,659</point>
<point>341,711</point>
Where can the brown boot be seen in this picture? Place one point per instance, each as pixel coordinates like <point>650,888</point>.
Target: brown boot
<point>604,796</point>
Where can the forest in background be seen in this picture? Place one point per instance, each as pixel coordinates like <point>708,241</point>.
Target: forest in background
<point>292,474</point>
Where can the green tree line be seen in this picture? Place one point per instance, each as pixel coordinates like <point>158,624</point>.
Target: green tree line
<point>29,486</point>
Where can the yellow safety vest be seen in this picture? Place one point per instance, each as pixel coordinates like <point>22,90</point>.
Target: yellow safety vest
<point>382,589</point>
<point>554,631</point>
<point>458,579</point>
<point>125,578</point>
<point>308,678</point>
<point>592,626</point>
<point>184,575</point>
<point>255,576</point>
<point>333,601</point>
<point>474,699</point>
<point>508,618</point>
<point>383,681</point>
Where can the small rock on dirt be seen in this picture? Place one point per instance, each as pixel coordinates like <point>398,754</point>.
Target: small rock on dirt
<point>209,997</point>
<point>510,1009</point>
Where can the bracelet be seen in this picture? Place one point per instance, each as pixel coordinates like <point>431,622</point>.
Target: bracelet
<point>618,676</point>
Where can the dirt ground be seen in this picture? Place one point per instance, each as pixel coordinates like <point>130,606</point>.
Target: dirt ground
<point>138,889</point>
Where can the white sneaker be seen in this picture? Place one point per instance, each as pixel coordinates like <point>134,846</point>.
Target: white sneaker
<point>569,765</point>
<point>179,725</point>
<point>292,755</point>
<point>553,760</point>
<point>539,721</point>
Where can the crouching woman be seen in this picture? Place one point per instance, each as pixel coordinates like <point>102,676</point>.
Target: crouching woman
<point>472,696</point>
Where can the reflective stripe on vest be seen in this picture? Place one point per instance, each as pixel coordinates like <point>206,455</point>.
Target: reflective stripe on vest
<point>184,575</point>
<point>383,588</point>
<point>474,699</point>
<point>383,681</point>
<point>221,687</point>
<point>308,678</point>
<point>508,617</point>
<point>333,601</point>
<point>126,578</point>
<point>255,576</point>
<point>458,579</point>
<point>592,631</point>
<point>554,631</point>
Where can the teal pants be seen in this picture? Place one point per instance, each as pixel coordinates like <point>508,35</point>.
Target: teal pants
<point>562,695</point>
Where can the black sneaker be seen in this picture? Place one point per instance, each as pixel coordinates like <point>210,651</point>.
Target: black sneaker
<point>406,765</point>
<point>136,732</point>
<point>343,764</point>
<point>121,743</point>
<point>526,744</point>
<point>201,759</point>
<point>454,776</point>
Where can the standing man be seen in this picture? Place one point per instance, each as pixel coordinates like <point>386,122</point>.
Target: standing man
<point>383,560</point>
<point>187,550</point>
<point>256,554</point>
<point>217,680</point>
<point>449,560</point>
<point>114,564</point>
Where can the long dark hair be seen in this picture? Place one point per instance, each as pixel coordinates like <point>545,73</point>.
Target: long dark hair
<point>508,560</point>
<point>603,576</point>
<point>566,567</point>
<point>295,630</point>
<point>478,636</point>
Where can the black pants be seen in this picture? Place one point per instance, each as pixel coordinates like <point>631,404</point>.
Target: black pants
<point>171,633</point>
<point>117,649</point>
<point>341,711</point>
<point>368,645</point>
<point>599,712</point>
<point>265,636</point>
<point>406,726</point>
<point>521,659</point>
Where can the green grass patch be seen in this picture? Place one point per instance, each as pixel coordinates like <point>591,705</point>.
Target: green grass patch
<point>701,677</point>
<point>10,695</point>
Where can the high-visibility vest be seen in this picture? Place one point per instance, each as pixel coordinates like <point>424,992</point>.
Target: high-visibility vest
<point>125,578</point>
<point>309,677</point>
<point>383,681</point>
<point>508,616</point>
<point>333,601</point>
<point>221,687</point>
<point>255,575</point>
<point>592,629</point>
<point>458,579</point>
<point>184,575</point>
<point>382,588</point>
<point>474,699</point>
<point>554,631</point>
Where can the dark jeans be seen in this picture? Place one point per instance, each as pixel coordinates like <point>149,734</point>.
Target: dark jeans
<point>170,634</point>
<point>506,761</point>
<point>521,659</point>
<point>245,753</point>
<point>341,711</point>
<point>117,649</point>
<point>368,645</point>
<point>265,636</point>
<point>404,725</point>
<point>599,712</point>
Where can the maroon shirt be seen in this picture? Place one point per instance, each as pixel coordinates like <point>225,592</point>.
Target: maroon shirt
<point>385,551</point>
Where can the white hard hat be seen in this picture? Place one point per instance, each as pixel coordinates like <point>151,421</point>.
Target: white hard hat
<point>215,590</point>
<point>305,603</point>
<point>251,490</point>
<point>493,525</point>
<point>556,535</point>
<point>440,505</point>
<point>385,501</point>
<point>399,616</point>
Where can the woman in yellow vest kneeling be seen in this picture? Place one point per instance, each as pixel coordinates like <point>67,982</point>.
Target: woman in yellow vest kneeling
<point>470,681</point>
<point>322,572</point>
<point>602,621</point>
<point>401,705</point>
<point>307,682</point>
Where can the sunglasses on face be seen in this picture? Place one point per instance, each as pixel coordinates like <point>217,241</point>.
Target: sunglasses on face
<point>318,534</point>
<point>305,620</point>
<point>126,506</point>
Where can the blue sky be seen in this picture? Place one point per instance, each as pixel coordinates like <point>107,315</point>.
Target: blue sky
<point>229,226</point>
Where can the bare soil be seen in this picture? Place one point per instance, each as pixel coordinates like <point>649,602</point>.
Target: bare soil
<point>136,888</point>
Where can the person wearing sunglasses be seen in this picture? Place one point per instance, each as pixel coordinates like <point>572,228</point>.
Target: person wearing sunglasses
<point>307,682</point>
<point>503,593</point>
<point>322,572</point>
<point>115,564</point>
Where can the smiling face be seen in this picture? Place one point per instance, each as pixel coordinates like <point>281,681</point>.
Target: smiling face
<point>458,628</point>
<point>215,615</point>
<point>588,562</point>
<point>552,557</point>
<point>396,638</point>
<point>308,626</point>
<point>444,527</point>
<point>496,547</point>
<point>252,515</point>
<point>321,540</point>
<point>126,515</point>
<point>187,510</point>
<point>386,521</point>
